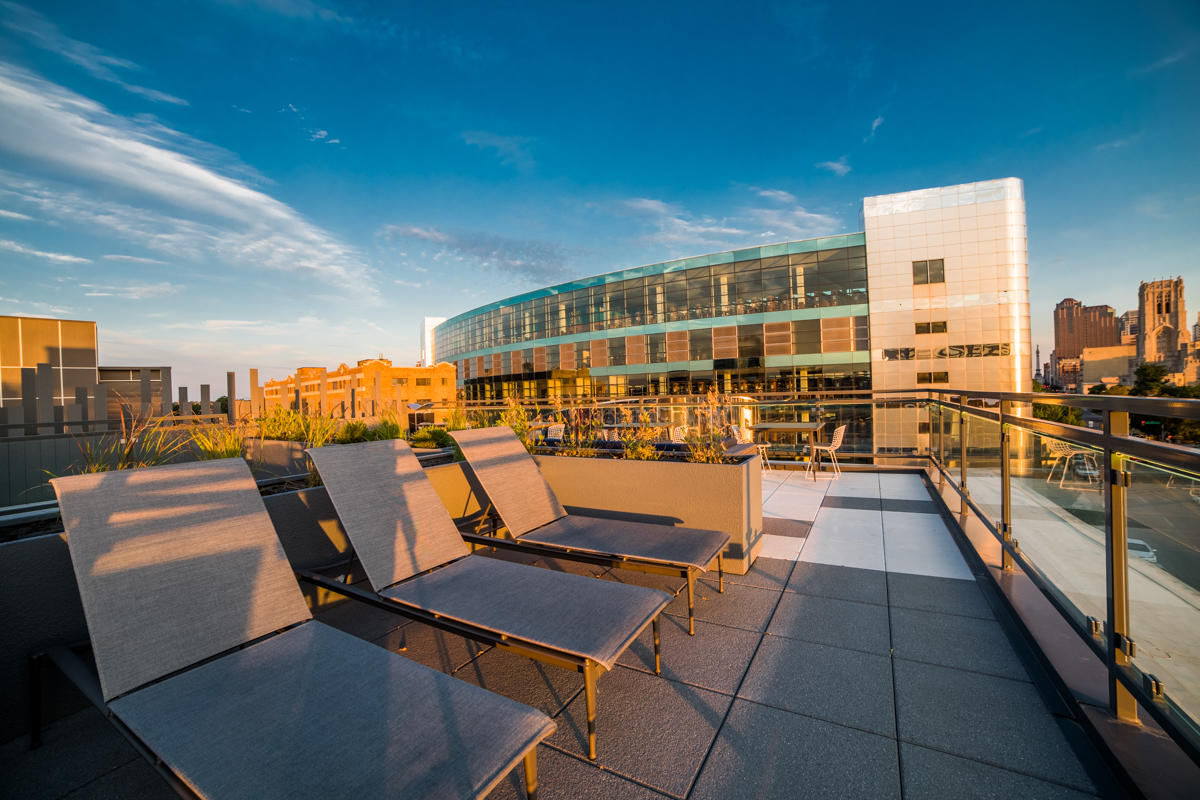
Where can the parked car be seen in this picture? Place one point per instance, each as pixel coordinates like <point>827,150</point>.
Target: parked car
<point>1139,548</point>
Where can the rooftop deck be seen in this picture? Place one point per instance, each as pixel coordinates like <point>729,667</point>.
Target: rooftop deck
<point>858,658</point>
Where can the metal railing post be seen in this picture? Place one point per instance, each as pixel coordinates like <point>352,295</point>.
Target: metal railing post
<point>963,507</point>
<point>1120,648</point>
<point>1006,559</point>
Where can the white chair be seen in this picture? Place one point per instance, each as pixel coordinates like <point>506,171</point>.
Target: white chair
<point>556,431</point>
<point>743,436</point>
<point>1064,454</point>
<point>679,434</point>
<point>814,460</point>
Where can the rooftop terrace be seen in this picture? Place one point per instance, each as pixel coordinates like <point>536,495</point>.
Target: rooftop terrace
<point>860,657</point>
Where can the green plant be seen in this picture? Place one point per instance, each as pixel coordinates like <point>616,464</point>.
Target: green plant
<point>431,438</point>
<point>704,438</point>
<point>516,416</point>
<point>639,439</point>
<point>581,428</point>
<point>389,427</point>
<point>457,420</point>
<point>354,430</point>
<point>141,442</point>
<point>218,441</point>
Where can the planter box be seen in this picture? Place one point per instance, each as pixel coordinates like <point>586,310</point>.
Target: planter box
<point>723,497</point>
<point>273,458</point>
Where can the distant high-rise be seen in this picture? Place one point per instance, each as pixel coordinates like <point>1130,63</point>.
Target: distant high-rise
<point>1077,326</point>
<point>1128,324</point>
<point>427,350</point>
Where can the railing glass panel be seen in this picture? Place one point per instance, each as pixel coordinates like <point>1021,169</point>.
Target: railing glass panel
<point>983,465</point>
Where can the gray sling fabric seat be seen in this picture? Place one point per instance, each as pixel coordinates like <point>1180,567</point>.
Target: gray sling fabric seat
<point>419,565</point>
<point>179,565</point>
<point>531,512</point>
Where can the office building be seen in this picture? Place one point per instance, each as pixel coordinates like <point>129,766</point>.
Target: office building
<point>428,352</point>
<point>370,388</point>
<point>932,292</point>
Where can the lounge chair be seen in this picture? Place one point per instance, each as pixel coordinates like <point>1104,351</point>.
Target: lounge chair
<point>536,521</point>
<point>211,665</point>
<point>420,566</point>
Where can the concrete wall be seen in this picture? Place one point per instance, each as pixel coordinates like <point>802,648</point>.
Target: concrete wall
<point>724,497</point>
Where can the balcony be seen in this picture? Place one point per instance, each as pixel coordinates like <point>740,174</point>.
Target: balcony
<point>930,624</point>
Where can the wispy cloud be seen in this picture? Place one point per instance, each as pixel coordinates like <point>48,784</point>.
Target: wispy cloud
<point>875,123</point>
<point>216,214</point>
<point>132,291</point>
<point>409,284</point>
<point>43,33</point>
<point>513,151</point>
<point>526,259</point>
<point>1173,58</point>
<point>777,195</point>
<point>297,9</point>
<point>673,225</point>
<point>62,258</point>
<point>35,308</point>
<point>131,259</point>
<point>14,215</point>
<point>1117,144</point>
<point>795,222</point>
<point>840,167</point>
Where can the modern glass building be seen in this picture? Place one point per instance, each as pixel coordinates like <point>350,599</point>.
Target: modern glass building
<point>933,292</point>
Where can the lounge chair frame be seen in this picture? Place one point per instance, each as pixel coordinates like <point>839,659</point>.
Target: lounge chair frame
<point>632,563</point>
<point>590,669</point>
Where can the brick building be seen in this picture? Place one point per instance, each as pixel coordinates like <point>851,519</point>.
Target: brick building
<point>367,389</point>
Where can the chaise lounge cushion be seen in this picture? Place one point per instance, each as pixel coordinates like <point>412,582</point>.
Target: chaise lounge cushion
<point>570,613</point>
<point>315,712</point>
<point>619,538</point>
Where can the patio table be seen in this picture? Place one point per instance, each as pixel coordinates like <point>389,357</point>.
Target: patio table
<point>809,428</point>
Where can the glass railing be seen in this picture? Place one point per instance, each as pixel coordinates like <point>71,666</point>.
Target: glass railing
<point>1041,469</point>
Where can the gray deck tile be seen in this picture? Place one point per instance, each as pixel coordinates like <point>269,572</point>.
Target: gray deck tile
<point>670,584</point>
<point>562,776</point>
<point>745,607</point>
<point>651,729</point>
<point>857,503</point>
<point>543,686</point>
<point>715,658</point>
<point>943,595</point>
<point>954,641</point>
<point>136,780</point>
<point>1000,721</point>
<point>841,623</point>
<point>766,753</point>
<point>911,506</point>
<point>840,583</point>
<point>932,775</point>
<point>767,573</point>
<point>429,646</point>
<point>779,526</point>
<point>844,686</point>
<point>75,750</point>
<point>359,619</point>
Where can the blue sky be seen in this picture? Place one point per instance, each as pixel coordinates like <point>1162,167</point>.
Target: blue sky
<point>271,183</point>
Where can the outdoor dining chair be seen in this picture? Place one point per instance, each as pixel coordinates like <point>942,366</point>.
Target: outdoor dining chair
<point>419,566</point>
<point>814,461</point>
<point>537,522</point>
<point>208,661</point>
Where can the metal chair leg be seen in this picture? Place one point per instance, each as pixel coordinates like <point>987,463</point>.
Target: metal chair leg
<point>837,469</point>
<point>531,782</point>
<point>721,573</point>
<point>691,591</point>
<point>657,648</point>
<point>589,696</point>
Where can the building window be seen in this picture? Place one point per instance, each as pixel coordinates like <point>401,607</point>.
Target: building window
<point>399,381</point>
<point>899,353</point>
<point>933,377</point>
<point>443,381</point>
<point>931,271</point>
<point>931,327</point>
<point>423,382</point>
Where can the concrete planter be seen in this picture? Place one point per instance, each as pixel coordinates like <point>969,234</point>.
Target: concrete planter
<point>273,458</point>
<point>723,497</point>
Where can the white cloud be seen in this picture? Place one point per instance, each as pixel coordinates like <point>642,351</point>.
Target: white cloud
<point>316,135</point>
<point>14,215</point>
<point>298,9</point>
<point>217,215</point>
<point>527,259</point>
<point>43,33</point>
<point>875,123</point>
<point>778,195</point>
<point>1118,144</point>
<point>1166,61</point>
<point>132,291</point>
<point>63,258</point>
<point>839,167</point>
<point>409,284</point>
<point>131,259</point>
<point>35,308</point>
<point>675,226</point>
<point>513,151</point>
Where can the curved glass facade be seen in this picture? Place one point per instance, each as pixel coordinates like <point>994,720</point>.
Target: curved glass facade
<point>779,318</point>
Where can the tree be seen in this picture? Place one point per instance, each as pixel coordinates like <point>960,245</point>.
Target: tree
<point>1148,380</point>
<point>1099,388</point>
<point>1056,413</point>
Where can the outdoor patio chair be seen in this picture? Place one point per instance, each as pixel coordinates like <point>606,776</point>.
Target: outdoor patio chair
<point>1064,454</point>
<point>420,566</point>
<point>211,665</point>
<point>830,449</point>
<point>537,522</point>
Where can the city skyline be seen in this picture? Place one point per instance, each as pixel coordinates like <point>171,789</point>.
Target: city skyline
<point>261,184</point>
